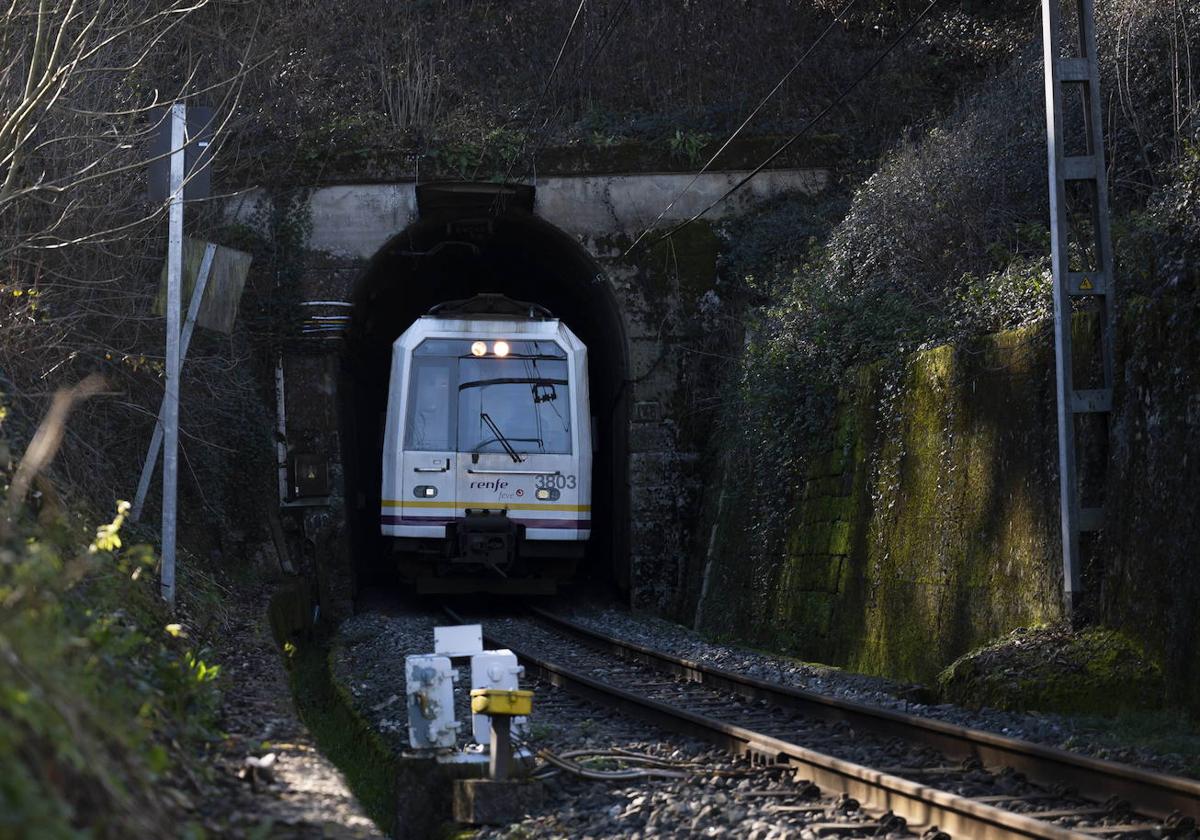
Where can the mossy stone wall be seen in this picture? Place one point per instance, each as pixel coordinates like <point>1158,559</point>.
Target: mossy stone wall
<point>921,525</point>
<point>1151,578</point>
<point>925,520</point>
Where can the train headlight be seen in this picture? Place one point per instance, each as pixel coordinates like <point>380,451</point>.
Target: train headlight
<point>478,349</point>
<point>500,348</point>
<point>424,491</point>
<point>547,494</point>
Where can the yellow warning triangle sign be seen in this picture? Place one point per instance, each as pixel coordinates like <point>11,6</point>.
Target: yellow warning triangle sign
<point>1086,284</point>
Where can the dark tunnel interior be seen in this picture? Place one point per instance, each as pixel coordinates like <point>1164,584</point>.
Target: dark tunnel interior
<point>471,239</point>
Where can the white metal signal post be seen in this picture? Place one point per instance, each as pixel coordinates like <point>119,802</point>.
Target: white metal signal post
<point>170,410</point>
<point>1079,214</point>
<point>180,170</point>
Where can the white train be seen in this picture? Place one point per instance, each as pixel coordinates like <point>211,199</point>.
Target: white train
<point>487,455</point>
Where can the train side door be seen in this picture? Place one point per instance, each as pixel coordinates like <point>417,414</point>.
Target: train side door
<point>428,486</point>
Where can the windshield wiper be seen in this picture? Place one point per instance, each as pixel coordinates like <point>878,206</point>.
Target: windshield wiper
<point>508,447</point>
<point>511,380</point>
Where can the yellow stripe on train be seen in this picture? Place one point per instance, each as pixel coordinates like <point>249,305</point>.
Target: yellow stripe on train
<point>487,505</point>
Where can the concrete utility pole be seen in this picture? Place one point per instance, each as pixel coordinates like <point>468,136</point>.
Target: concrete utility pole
<point>1077,176</point>
<point>170,407</point>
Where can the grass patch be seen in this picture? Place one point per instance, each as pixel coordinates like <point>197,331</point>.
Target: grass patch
<point>343,737</point>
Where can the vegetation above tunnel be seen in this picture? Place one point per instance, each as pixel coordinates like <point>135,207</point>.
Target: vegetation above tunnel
<point>916,477</point>
<point>463,85</point>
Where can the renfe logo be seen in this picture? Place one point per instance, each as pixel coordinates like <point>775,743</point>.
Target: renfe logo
<point>498,484</point>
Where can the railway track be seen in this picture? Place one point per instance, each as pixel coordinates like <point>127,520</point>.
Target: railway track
<point>967,783</point>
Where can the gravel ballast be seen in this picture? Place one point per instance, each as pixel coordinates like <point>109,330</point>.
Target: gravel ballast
<point>722,796</point>
<point>1049,729</point>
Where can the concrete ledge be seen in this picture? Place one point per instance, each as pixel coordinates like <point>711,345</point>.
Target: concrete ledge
<point>355,220</point>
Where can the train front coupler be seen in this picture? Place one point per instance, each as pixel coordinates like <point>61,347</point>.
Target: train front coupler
<point>487,538</point>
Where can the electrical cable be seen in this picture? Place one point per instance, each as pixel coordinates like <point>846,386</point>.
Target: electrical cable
<point>778,85</point>
<point>560,762</point>
<point>608,775</point>
<point>606,33</point>
<point>657,767</point>
<point>545,89</point>
<point>807,127</point>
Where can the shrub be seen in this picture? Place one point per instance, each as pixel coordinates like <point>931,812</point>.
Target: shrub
<point>102,695</point>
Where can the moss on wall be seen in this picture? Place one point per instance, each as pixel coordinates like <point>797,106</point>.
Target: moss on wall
<point>1150,586</point>
<point>1094,671</point>
<point>671,374</point>
<point>924,520</point>
<point>371,771</point>
<point>959,539</point>
<point>918,529</point>
<point>355,161</point>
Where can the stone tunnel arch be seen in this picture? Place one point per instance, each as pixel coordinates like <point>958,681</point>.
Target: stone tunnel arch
<point>469,239</point>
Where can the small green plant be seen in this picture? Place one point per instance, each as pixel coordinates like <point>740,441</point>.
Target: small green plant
<point>505,143</point>
<point>603,140</point>
<point>491,157</point>
<point>687,145</point>
<point>1017,295</point>
<point>461,158</point>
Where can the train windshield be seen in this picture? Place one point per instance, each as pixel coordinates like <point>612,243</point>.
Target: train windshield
<point>518,404</point>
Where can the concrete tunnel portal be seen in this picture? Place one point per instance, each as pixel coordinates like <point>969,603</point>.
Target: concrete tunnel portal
<point>469,239</point>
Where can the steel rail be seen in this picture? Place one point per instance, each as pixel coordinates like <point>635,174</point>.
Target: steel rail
<point>920,805</point>
<point>1151,794</point>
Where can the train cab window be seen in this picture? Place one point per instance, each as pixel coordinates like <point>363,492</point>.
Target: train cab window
<point>431,405</point>
<point>520,400</point>
<point>525,395</point>
<point>532,413</point>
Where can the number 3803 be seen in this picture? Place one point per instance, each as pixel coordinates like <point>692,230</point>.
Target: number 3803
<point>561,482</point>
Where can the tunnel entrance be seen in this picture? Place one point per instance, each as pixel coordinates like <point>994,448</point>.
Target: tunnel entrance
<point>471,239</point>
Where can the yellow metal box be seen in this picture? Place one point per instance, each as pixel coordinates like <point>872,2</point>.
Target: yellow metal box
<point>498,701</point>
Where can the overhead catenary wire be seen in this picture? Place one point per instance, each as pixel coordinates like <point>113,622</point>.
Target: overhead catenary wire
<point>606,33</point>
<point>610,26</point>
<point>542,96</point>
<point>754,113</point>
<point>807,126</point>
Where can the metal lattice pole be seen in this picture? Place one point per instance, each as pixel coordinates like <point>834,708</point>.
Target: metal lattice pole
<point>1072,67</point>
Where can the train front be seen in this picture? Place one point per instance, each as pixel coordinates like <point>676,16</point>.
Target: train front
<point>487,461</point>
